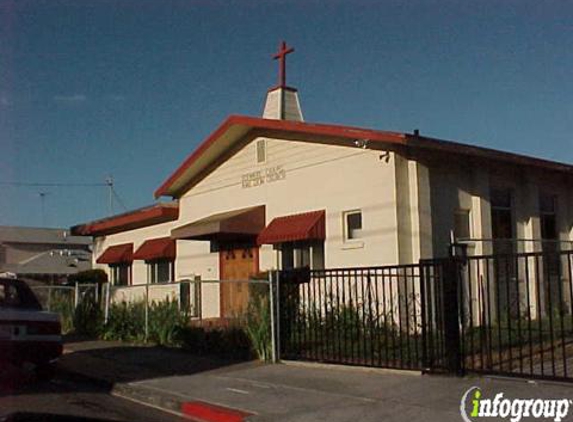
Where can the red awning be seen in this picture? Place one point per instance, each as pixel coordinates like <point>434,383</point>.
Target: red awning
<point>117,254</point>
<point>231,225</point>
<point>290,228</point>
<point>163,248</point>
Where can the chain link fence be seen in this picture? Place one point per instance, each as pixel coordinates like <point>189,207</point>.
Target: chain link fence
<point>229,318</point>
<point>65,299</point>
<point>232,318</point>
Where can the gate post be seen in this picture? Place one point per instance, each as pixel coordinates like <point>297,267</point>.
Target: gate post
<point>76,295</point>
<point>107,299</point>
<point>451,312</point>
<point>425,318</point>
<point>273,314</point>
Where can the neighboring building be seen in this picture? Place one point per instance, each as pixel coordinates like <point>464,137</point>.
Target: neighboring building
<point>43,253</point>
<point>277,192</point>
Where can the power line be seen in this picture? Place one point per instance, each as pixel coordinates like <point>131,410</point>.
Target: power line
<point>108,183</point>
<point>42,184</point>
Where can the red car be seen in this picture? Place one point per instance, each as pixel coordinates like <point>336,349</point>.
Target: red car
<point>29,336</point>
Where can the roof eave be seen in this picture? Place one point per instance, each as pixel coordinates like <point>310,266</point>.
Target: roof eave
<point>256,126</point>
<point>129,221</point>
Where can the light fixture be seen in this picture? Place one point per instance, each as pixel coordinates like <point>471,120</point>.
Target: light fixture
<point>361,143</point>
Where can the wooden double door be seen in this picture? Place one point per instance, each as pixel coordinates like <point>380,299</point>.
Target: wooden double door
<point>236,266</point>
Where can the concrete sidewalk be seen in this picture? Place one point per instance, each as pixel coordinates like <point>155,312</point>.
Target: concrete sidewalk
<point>222,391</point>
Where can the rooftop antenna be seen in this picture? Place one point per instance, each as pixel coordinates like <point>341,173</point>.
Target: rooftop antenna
<point>109,183</point>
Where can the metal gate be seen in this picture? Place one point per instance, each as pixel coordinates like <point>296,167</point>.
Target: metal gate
<point>372,316</point>
<point>498,314</point>
<point>516,315</point>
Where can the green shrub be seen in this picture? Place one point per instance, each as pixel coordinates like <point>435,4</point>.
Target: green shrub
<point>236,344</point>
<point>88,317</point>
<point>126,322</point>
<point>258,324</point>
<point>165,321</point>
<point>230,343</point>
<point>194,339</point>
<point>62,302</point>
<point>169,326</point>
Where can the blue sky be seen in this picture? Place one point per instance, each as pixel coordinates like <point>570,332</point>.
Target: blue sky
<point>128,88</point>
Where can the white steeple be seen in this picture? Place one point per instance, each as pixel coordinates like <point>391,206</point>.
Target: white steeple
<point>282,101</point>
<point>283,104</point>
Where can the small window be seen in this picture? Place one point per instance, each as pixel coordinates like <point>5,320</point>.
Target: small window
<point>287,256</point>
<point>196,306</point>
<point>462,224</point>
<point>548,216</point>
<point>547,204</point>
<point>302,254</point>
<point>190,297</point>
<point>353,225</point>
<point>120,274</point>
<point>160,271</point>
<point>261,151</point>
<point>502,222</point>
<point>500,198</point>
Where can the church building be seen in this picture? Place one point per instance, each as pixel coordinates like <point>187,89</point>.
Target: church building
<point>277,192</point>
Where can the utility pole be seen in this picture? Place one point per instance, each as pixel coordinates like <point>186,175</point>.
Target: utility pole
<point>109,183</point>
<point>43,206</point>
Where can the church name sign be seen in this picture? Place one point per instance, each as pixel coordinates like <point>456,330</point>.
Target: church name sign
<point>260,177</point>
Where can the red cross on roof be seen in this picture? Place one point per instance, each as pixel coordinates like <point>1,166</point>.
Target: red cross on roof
<point>281,56</point>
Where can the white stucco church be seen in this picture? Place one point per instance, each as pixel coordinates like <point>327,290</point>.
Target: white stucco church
<point>276,192</point>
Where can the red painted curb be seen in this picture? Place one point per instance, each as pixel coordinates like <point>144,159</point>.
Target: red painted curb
<point>208,412</point>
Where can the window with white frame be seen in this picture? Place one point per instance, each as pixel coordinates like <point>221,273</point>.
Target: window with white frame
<point>502,221</point>
<point>548,218</point>
<point>261,151</point>
<point>120,274</point>
<point>160,271</point>
<point>196,304</point>
<point>549,236</point>
<point>352,225</point>
<point>302,254</point>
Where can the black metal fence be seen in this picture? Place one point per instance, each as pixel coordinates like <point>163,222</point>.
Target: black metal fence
<point>503,314</point>
<point>516,314</point>
<point>356,316</point>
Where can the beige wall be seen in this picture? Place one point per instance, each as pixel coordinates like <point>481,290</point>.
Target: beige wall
<point>463,185</point>
<point>407,204</point>
<point>188,263</point>
<point>317,177</point>
<point>137,237</point>
<point>414,216</point>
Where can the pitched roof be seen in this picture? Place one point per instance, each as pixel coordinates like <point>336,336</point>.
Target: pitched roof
<point>142,217</point>
<point>55,261</point>
<point>17,234</point>
<point>238,130</point>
